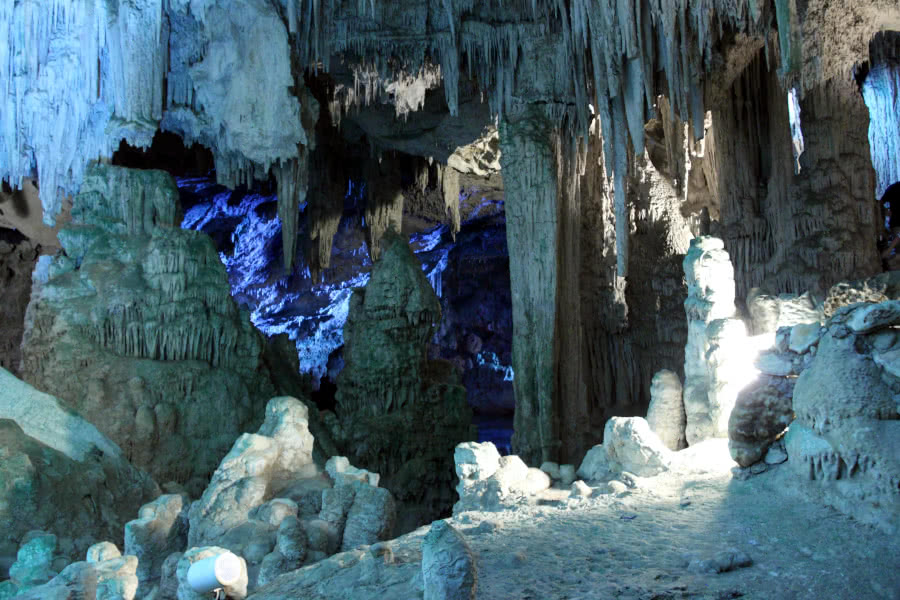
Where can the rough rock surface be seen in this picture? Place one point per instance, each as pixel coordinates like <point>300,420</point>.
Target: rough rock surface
<point>371,518</point>
<point>34,561</point>
<point>763,411</point>
<point>666,413</point>
<point>770,313</point>
<point>845,437</point>
<point>879,288</point>
<point>255,469</point>
<point>59,473</point>
<point>637,544</point>
<point>449,569</point>
<point>112,579</point>
<point>399,414</point>
<point>135,328</point>
<point>629,447</point>
<point>160,529</point>
<point>18,257</point>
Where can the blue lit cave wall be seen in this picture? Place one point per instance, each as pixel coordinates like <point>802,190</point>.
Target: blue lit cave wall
<point>470,275</point>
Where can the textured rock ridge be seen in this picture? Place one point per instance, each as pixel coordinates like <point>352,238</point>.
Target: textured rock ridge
<point>134,327</point>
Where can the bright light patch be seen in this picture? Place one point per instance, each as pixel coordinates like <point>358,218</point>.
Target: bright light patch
<point>796,132</point>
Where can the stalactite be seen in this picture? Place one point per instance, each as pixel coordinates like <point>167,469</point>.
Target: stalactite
<point>293,180</point>
<point>450,187</point>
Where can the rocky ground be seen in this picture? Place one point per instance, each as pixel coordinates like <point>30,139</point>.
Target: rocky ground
<point>647,541</point>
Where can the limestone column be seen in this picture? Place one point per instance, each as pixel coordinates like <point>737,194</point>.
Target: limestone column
<point>529,175</point>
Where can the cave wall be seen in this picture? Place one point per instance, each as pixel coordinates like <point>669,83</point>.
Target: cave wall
<point>18,256</point>
<point>790,232</point>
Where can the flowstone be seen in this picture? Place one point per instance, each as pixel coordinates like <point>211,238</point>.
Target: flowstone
<point>135,328</point>
<point>400,414</point>
<point>846,436</point>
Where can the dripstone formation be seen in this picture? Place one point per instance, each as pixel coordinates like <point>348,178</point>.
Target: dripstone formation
<point>133,326</point>
<point>400,414</point>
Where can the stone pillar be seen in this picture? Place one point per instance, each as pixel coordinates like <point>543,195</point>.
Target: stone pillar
<point>710,280</point>
<point>529,175</point>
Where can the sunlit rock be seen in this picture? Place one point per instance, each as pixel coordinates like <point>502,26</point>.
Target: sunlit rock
<point>253,471</point>
<point>763,410</point>
<point>710,279</point>
<point>160,529</point>
<point>666,413</point>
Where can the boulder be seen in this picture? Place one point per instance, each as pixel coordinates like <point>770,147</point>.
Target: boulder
<point>275,511</point>
<point>291,540</point>
<point>111,579</point>
<point>763,411</point>
<point>804,336</point>
<point>102,552</point>
<point>34,561</point>
<point>342,472</point>
<point>566,475</point>
<point>632,446</point>
<point>475,462</point>
<point>666,413</point>
<point>449,570</point>
<point>370,519</point>
<point>160,529</point>
<point>256,468</point>
<point>595,465</point>
<point>273,565</point>
<point>336,505</point>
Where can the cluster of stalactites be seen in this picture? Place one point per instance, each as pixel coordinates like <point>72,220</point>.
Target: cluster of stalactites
<point>76,76</point>
<point>611,57</point>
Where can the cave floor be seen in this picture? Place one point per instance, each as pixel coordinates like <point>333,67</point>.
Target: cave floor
<point>637,545</point>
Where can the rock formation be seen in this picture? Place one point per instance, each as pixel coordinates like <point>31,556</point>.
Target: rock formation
<point>762,412</point>
<point>18,258</point>
<point>666,412</point>
<point>628,446</point>
<point>135,329</point>
<point>400,414</point>
<point>710,279</point>
<point>271,505</point>
<point>449,569</point>
<point>60,474</point>
<point>844,438</point>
